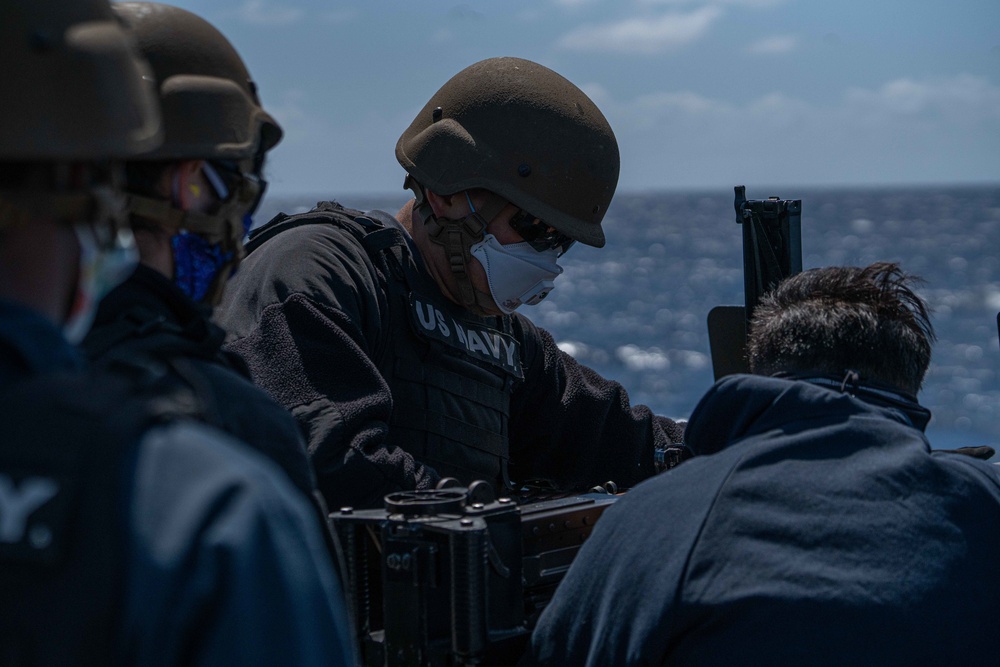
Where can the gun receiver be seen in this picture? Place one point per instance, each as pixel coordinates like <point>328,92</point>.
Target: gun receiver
<point>772,251</point>
<point>451,576</point>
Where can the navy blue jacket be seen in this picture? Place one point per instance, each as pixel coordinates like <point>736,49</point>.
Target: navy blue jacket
<point>223,562</point>
<point>812,527</point>
<point>148,326</point>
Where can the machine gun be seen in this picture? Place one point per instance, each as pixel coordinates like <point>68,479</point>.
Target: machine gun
<point>452,576</point>
<point>772,251</point>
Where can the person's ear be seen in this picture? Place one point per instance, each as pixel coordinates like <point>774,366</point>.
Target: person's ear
<point>187,186</point>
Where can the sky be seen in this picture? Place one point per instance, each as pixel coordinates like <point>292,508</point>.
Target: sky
<point>700,94</point>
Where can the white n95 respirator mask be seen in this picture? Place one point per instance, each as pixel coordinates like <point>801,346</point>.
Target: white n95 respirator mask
<point>517,273</point>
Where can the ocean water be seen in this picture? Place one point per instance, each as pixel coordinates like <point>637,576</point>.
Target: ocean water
<point>636,309</point>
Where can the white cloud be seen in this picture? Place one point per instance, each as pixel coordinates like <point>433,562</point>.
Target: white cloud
<point>963,94</point>
<point>968,97</point>
<point>777,109</point>
<point>776,44</point>
<point>683,102</point>
<point>642,35</point>
<point>905,130</point>
<point>649,113</point>
<point>262,12</point>
<point>596,92</point>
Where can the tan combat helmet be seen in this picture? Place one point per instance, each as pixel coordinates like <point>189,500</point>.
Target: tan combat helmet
<point>211,111</point>
<point>522,131</point>
<point>210,105</point>
<point>71,86</point>
<point>73,91</point>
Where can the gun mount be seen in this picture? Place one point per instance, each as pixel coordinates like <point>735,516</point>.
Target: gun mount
<point>451,576</point>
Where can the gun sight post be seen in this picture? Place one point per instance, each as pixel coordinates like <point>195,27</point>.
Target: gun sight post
<point>772,244</point>
<point>772,251</point>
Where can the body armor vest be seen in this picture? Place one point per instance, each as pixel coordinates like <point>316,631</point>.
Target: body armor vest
<point>63,515</point>
<point>451,373</point>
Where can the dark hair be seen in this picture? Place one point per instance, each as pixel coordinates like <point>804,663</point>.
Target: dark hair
<point>836,319</point>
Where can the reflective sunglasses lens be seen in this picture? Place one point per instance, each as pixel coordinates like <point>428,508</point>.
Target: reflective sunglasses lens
<point>539,235</point>
<point>248,186</point>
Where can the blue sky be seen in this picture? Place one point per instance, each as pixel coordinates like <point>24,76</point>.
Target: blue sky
<point>701,94</point>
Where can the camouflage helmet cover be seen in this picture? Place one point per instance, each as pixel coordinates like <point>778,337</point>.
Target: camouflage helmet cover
<point>209,102</point>
<point>71,84</point>
<point>520,130</point>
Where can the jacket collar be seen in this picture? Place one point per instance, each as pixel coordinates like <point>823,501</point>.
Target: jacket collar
<point>742,405</point>
<point>158,299</point>
<point>871,393</point>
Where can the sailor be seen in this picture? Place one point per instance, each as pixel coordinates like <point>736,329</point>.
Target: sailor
<point>814,525</point>
<point>190,202</point>
<point>394,340</point>
<point>129,533</point>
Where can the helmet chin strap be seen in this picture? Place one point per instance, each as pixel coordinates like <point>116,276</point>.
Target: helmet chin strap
<point>223,227</point>
<point>457,237</point>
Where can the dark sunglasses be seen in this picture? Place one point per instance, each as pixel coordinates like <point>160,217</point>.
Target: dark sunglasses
<point>248,186</point>
<point>539,235</point>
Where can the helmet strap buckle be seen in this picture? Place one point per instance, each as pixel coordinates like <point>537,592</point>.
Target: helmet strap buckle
<point>457,236</point>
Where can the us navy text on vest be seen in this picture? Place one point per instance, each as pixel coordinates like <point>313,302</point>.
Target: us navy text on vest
<point>494,347</point>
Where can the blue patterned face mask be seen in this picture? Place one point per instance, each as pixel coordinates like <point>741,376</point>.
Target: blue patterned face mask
<point>198,262</point>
